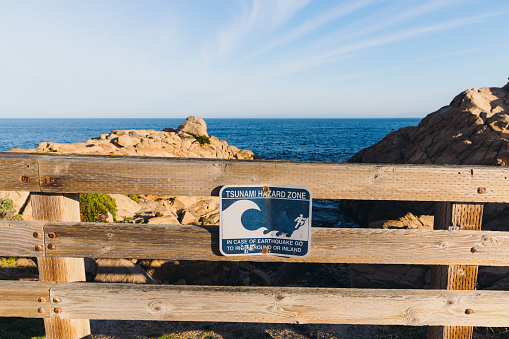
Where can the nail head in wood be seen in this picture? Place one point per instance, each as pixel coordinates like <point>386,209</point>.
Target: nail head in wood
<point>48,180</point>
<point>481,190</point>
<point>474,249</point>
<point>41,299</point>
<point>38,248</point>
<point>52,235</point>
<point>52,246</point>
<point>37,234</point>
<point>57,310</point>
<point>56,300</point>
<point>469,311</point>
<point>24,179</point>
<point>40,310</point>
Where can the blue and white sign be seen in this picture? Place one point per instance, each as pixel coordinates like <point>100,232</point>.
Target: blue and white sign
<point>265,220</point>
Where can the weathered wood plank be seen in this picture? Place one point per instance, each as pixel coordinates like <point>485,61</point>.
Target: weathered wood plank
<point>26,299</point>
<point>60,207</point>
<point>199,177</point>
<point>328,245</point>
<point>21,238</point>
<point>18,172</point>
<point>282,305</point>
<point>466,216</point>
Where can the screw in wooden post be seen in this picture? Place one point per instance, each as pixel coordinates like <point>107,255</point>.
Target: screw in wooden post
<point>38,248</point>
<point>52,235</point>
<point>40,310</point>
<point>52,246</point>
<point>474,249</point>
<point>37,234</point>
<point>469,311</point>
<point>41,299</point>
<point>48,180</point>
<point>57,310</point>
<point>24,179</point>
<point>56,300</point>
<point>481,190</point>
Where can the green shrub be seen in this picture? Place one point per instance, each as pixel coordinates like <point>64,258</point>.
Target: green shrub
<point>95,207</point>
<point>203,139</point>
<point>7,261</point>
<point>7,212</point>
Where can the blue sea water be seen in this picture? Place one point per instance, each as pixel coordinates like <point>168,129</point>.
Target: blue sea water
<point>331,140</point>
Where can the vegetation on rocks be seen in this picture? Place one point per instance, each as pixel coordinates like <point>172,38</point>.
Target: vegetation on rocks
<point>7,212</point>
<point>95,207</point>
<point>203,139</point>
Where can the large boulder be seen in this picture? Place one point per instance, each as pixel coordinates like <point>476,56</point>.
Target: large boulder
<point>194,125</point>
<point>126,207</point>
<point>471,130</point>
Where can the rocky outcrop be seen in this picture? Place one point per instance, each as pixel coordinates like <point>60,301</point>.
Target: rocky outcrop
<point>183,142</point>
<point>471,130</point>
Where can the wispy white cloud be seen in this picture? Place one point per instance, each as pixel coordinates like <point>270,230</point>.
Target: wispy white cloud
<point>397,18</point>
<point>312,24</point>
<point>345,51</point>
<point>259,15</point>
<point>447,54</point>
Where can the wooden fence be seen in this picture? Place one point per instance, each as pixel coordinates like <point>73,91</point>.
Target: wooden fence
<point>455,248</point>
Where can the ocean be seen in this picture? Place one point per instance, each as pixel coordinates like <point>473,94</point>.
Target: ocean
<point>327,140</point>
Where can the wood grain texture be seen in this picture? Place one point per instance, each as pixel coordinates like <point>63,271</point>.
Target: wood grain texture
<point>201,177</point>
<point>60,207</point>
<point>282,305</point>
<point>328,245</point>
<point>22,299</point>
<point>17,238</point>
<point>459,216</point>
<point>19,172</point>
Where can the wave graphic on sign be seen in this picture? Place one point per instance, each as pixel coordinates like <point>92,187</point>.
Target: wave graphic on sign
<point>233,214</point>
<point>263,217</point>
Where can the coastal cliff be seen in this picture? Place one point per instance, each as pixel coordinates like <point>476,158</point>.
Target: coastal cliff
<point>472,130</point>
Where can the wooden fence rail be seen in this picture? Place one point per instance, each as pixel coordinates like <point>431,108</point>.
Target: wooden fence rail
<point>296,305</point>
<point>178,242</point>
<point>455,247</point>
<point>202,177</point>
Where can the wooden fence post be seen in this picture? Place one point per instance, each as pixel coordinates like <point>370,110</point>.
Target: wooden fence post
<point>60,207</point>
<point>461,216</point>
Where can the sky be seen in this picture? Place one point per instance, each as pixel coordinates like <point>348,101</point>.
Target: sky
<point>247,58</point>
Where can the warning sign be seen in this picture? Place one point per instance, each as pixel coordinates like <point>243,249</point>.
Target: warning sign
<point>265,220</point>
